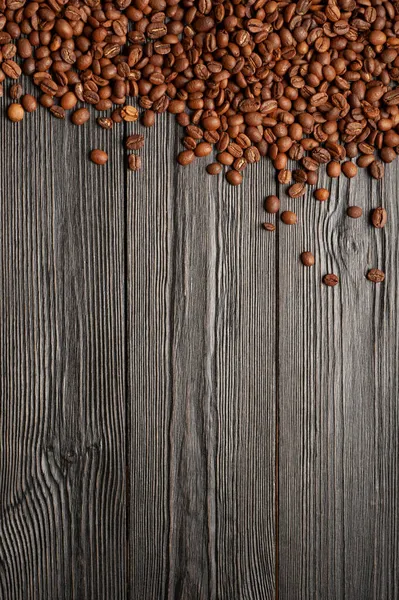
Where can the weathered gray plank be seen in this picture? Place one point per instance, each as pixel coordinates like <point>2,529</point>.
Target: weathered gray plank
<point>62,488</point>
<point>202,436</point>
<point>335,391</point>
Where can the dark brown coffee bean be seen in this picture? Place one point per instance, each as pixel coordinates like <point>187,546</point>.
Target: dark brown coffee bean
<point>349,169</point>
<point>134,162</point>
<point>57,111</point>
<point>16,91</point>
<point>375,275</point>
<point>269,226</point>
<point>331,279</point>
<point>272,204</point>
<point>377,169</point>
<point>354,212</point>
<point>99,157</point>
<point>379,217</point>
<point>288,217</point>
<point>135,141</point>
<point>203,149</point>
<point>307,259</point>
<point>105,122</point>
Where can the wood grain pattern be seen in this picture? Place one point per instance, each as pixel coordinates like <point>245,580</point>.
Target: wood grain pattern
<point>62,365</point>
<point>337,476</point>
<point>186,411</point>
<point>202,436</point>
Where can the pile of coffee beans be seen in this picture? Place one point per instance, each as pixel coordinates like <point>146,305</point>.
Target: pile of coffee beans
<point>314,81</point>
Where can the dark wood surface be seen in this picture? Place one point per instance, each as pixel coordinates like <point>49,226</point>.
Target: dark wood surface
<point>186,412</point>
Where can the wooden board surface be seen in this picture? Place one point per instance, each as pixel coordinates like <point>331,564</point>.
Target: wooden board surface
<point>186,412</point>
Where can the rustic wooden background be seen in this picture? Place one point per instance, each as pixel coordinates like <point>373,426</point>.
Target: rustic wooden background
<point>186,412</point>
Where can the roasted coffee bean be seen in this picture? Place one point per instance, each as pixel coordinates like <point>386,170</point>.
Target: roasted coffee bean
<point>349,169</point>
<point>57,111</point>
<point>354,212</point>
<point>105,122</point>
<point>321,194</point>
<point>129,113</point>
<point>375,275</point>
<point>330,279</point>
<point>135,141</point>
<point>186,157</point>
<point>15,112</point>
<point>377,169</point>
<point>29,103</point>
<point>134,162</point>
<point>379,217</point>
<point>269,226</point>
<point>80,116</point>
<point>16,91</point>
<point>288,217</point>
<point>99,157</point>
<point>214,168</point>
<point>307,259</point>
<point>296,190</point>
<point>272,204</point>
<point>234,177</point>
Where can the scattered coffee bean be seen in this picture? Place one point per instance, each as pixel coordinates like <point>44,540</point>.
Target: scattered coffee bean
<point>379,217</point>
<point>376,276</point>
<point>186,157</point>
<point>99,157</point>
<point>288,217</point>
<point>269,226</point>
<point>15,112</point>
<point>135,141</point>
<point>322,194</point>
<point>16,91</point>
<point>330,279</point>
<point>349,169</point>
<point>29,103</point>
<point>307,259</point>
<point>234,177</point>
<point>272,204</point>
<point>134,162</point>
<point>129,113</point>
<point>354,212</point>
<point>214,168</point>
<point>80,116</point>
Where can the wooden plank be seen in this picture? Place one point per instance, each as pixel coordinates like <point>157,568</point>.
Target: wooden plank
<point>202,438</point>
<point>335,360</point>
<point>62,446</point>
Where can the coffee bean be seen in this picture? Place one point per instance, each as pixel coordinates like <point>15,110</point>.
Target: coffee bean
<point>288,217</point>
<point>322,194</point>
<point>333,169</point>
<point>99,157</point>
<point>129,113</point>
<point>234,177</point>
<point>272,204</point>
<point>307,259</point>
<point>376,276</point>
<point>57,111</point>
<point>15,112</point>
<point>296,190</point>
<point>134,162</point>
<point>135,141</point>
<point>377,169</point>
<point>186,157</point>
<point>349,169</point>
<point>354,212</point>
<point>148,119</point>
<point>214,168</point>
<point>379,217</point>
<point>105,122</point>
<point>269,226</point>
<point>16,91</point>
<point>203,149</point>
<point>330,279</point>
<point>80,116</point>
